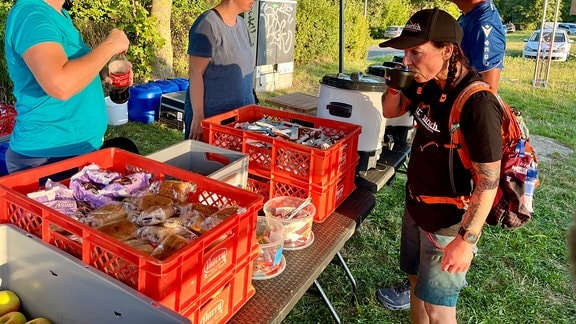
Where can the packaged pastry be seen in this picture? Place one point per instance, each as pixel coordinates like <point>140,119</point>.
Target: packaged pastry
<point>151,199</point>
<point>176,189</point>
<point>225,212</point>
<point>209,223</point>
<point>140,245</point>
<point>194,209</point>
<point>121,229</point>
<point>155,234</point>
<point>170,245</point>
<point>153,215</point>
<point>195,224</point>
<point>179,221</point>
<point>105,214</point>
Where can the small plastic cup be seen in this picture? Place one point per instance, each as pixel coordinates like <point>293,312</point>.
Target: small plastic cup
<point>270,237</point>
<point>298,230</point>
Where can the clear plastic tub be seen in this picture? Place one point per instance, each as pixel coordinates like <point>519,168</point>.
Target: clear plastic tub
<point>298,230</point>
<point>270,236</point>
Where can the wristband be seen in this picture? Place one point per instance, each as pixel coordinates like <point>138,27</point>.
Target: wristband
<point>393,91</point>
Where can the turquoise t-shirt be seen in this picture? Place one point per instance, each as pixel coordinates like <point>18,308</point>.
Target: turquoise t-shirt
<point>46,126</point>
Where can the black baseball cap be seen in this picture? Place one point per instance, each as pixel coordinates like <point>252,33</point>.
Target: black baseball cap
<point>427,25</point>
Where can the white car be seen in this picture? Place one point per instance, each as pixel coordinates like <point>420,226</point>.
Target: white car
<point>569,27</point>
<point>560,46</point>
<point>393,31</point>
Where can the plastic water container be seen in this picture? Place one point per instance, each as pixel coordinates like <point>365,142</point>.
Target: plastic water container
<point>144,103</point>
<point>167,86</point>
<point>117,113</point>
<point>356,99</point>
<point>182,83</point>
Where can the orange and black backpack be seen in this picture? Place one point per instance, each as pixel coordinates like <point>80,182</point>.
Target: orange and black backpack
<point>513,205</point>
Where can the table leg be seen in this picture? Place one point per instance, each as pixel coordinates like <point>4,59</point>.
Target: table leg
<point>327,301</point>
<point>343,264</point>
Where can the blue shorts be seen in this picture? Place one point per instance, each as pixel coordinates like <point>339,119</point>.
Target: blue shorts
<point>421,255</point>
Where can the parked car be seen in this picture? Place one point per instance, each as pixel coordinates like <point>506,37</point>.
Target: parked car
<point>560,46</point>
<point>509,27</point>
<point>569,27</point>
<point>393,31</point>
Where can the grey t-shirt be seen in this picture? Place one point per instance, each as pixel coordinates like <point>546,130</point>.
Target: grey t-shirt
<point>228,79</point>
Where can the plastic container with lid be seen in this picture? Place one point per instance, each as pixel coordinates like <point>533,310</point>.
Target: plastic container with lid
<point>144,103</point>
<point>117,113</point>
<point>182,83</point>
<point>298,229</point>
<point>270,236</point>
<point>356,99</point>
<point>167,86</point>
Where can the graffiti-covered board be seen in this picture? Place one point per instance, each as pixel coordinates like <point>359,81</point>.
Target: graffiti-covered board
<point>272,25</point>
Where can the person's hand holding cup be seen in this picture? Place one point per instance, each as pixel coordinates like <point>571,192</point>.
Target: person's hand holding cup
<point>397,77</point>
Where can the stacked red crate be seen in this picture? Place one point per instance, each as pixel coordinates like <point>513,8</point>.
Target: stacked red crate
<point>217,260</point>
<point>280,167</point>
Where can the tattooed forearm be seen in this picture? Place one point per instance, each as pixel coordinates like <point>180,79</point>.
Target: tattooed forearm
<point>472,219</point>
<point>488,176</point>
<point>485,187</point>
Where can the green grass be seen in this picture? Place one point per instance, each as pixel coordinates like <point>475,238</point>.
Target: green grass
<point>518,277</point>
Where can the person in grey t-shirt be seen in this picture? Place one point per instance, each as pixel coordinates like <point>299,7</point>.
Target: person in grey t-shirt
<point>221,65</point>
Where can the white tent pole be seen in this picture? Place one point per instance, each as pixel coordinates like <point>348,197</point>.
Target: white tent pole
<point>535,79</point>
<point>544,68</point>
<point>341,58</point>
<point>553,39</point>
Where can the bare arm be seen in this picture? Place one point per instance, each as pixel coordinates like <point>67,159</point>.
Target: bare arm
<point>197,67</point>
<point>458,254</point>
<point>492,76</point>
<point>394,104</point>
<point>62,78</point>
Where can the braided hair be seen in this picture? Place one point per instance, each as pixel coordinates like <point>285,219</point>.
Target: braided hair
<point>457,57</point>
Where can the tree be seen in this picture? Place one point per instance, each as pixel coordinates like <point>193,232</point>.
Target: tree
<point>163,65</point>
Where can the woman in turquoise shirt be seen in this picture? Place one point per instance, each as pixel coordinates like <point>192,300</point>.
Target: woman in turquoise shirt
<point>59,97</point>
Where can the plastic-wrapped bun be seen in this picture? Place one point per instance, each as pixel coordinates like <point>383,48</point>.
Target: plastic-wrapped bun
<point>153,234</point>
<point>105,214</point>
<point>156,234</point>
<point>150,199</point>
<point>170,245</point>
<point>176,189</point>
<point>140,245</point>
<point>122,229</point>
<point>154,215</point>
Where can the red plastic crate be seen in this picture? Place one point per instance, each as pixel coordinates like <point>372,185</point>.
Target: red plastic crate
<point>175,282</point>
<point>277,156</point>
<point>7,119</point>
<point>220,303</point>
<point>325,198</point>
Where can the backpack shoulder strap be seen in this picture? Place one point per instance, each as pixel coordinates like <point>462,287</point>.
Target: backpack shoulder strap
<point>456,136</point>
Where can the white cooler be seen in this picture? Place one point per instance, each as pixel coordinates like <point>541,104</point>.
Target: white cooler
<point>356,99</point>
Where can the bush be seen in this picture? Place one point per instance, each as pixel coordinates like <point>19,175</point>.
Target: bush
<point>183,16</point>
<point>318,30</point>
<point>95,19</point>
<point>356,34</point>
<point>316,35</point>
<point>377,32</point>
